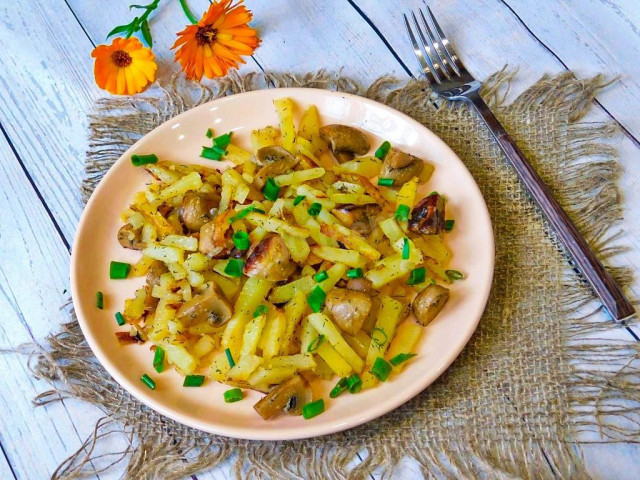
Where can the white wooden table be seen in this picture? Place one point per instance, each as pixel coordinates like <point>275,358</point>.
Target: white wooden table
<point>47,88</point>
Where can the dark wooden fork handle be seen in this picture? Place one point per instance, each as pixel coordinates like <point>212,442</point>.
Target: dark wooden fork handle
<point>603,284</point>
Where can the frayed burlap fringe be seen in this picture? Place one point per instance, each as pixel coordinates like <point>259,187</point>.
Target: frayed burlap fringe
<point>532,384</point>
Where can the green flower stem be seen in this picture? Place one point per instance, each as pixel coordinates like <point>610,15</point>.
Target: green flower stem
<point>187,12</point>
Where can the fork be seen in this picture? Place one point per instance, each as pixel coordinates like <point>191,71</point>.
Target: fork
<point>451,80</point>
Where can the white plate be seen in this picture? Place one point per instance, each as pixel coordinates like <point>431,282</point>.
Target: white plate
<point>181,140</point>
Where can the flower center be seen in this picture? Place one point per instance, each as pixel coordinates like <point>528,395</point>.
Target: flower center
<point>121,58</point>
<point>206,35</point>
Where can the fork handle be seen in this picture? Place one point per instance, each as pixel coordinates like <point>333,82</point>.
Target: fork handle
<point>601,281</point>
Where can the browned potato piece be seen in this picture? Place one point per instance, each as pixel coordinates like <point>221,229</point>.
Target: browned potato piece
<point>156,269</point>
<point>401,167</point>
<point>270,259</point>
<point>130,238</point>
<point>209,306</point>
<point>195,211</point>
<point>289,396</point>
<point>348,308</point>
<point>345,141</point>
<point>427,216</point>
<point>429,302</point>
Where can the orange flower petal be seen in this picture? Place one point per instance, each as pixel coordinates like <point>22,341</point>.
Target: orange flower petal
<point>238,46</point>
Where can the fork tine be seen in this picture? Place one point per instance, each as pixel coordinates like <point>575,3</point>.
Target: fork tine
<point>439,60</point>
<point>433,65</point>
<point>454,61</point>
<point>427,67</point>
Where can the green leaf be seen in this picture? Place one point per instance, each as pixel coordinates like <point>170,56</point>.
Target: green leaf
<point>119,29</point>
<point>146,33</point>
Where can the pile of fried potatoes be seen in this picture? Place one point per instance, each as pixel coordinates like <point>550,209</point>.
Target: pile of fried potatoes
<point>296,262</point>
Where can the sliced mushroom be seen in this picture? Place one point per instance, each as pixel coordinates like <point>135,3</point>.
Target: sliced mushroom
<point>289,396</point>
<point>130,238</point>
<point>345,141</point>
<point>362,219</point>
<point>194,211</point>
<point>348,308</point>
<point>209,306</point>
<point>427,216</point>
<point>363,285</point>
<point>270,259</point>
<point>429,302</point>
<point>156,270</point>
<point>276,161</point>
<point>401,167</point>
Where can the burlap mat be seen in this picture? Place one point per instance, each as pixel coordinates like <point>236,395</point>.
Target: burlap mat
<point>532,380</point>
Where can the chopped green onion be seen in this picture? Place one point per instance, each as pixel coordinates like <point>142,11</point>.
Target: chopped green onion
<point>340,387</point>
<point>233,395</point>
<point>355,273</point>
<point>316,299</point>
<point>227,352</point>
<point>315,343</point>
<point>260,310</point>
<point>381,369</point>
<point>417,276</point>
<point>313,409</point>
<point>193,381</point>
<point>454,274</point>
<point>298,199</point>
<point>234,267</point>
<point>99,300</point>
<point>244,212</point>
<point>271,190</point>
<point>448,225</point>
<point>402,212</point>
<point>213,153</point>
<point>382,150</point>
<point>401,358</point>
<point>223,140</point>
<point>241,240</point>
<point>354,383</point>
<point>314,209</point>
<point>385,182</point>
<point>379,341</point>
<point>209,133</point>
<point>321,276</point>
<point>405,249</point>
<point>433,193</point>
<point>158,359</point>
<point>119,270</point>
<point>148,381</point>
<point>120,319</point>
<point>138,160</point>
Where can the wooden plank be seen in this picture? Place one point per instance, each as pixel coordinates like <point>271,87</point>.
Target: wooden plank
<point>596,36</point>
<point>34,266</point>
<point>6,471</point>
<point>46,88</point>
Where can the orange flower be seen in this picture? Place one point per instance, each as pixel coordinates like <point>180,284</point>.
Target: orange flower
<point>125,67</point>
<point>214,44</point>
